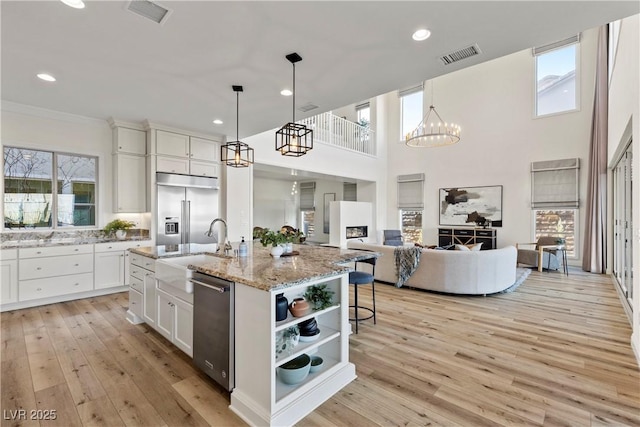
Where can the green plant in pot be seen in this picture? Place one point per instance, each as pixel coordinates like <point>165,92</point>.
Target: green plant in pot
<point>119,227</point>
<point>273,239</point>
<point>319,296</point>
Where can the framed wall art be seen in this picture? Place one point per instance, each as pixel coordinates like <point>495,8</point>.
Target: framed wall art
<point>471,206</point>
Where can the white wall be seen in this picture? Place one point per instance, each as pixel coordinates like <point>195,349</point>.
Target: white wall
<point>350,214</point>
<point>493,103</point>
<point>273,204</point>
<point>624,109</point>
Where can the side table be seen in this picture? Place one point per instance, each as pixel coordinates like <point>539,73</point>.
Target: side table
<point>549,248</point>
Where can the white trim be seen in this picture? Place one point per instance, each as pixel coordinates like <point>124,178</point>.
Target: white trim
<point>62,298</point>
<point>148,125</point>
<point>31,110</point>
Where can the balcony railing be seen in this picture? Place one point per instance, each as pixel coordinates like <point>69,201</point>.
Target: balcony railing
<point>334,130</point>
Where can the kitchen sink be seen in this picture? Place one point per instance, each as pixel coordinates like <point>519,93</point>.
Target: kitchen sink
<point>175,274</point>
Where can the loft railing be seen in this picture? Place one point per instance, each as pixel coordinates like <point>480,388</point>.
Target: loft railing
<point>334,130</point>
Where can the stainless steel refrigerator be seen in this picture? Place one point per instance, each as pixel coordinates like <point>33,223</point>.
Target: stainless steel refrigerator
<point>186,206</point>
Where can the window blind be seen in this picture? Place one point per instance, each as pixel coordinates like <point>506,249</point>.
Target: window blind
<point>410,90</point>
<point>554,184</point>
<point>350,192</point>
<point>411,191</point>
<point>555,45</point>
<point>307,196</point>
<point>362,106</point>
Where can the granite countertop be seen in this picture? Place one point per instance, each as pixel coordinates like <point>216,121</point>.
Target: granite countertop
<point>41,243</point>
<point>260,270</point>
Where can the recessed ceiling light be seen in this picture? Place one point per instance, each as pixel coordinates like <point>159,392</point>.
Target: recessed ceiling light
<point>286,92</point>
<point>46,77</point>
<point>77,4</point>
<point>217,122</point>
<point>421,34</point>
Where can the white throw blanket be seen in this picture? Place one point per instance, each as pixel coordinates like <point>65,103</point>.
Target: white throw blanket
<point>407,260</point>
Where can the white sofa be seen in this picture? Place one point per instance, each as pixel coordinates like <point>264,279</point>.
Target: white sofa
<point>456,272</point>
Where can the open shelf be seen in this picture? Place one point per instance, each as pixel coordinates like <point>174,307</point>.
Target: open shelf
<point>326,335</point>
<point>290,320</point>
<point>283,390</point>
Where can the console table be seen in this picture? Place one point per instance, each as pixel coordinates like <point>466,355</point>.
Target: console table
<point>468,236</point>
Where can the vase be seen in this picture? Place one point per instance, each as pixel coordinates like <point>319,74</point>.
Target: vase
<point>299,307</point>
<point>288,248</point>
<point>276,251</point>
<point>121,234</point>
<point>282,304</point>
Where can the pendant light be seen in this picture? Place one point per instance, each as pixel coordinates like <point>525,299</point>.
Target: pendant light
<point>433,131</point>
<point>294,139</point>
<point>235,153</point>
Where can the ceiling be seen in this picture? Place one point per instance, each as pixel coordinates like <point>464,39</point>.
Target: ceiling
<point>110,62</point>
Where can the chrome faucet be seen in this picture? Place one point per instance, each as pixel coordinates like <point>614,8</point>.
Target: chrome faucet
<point>226,246</point>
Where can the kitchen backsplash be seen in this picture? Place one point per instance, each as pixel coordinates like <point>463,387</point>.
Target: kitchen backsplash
<point>46,235</point>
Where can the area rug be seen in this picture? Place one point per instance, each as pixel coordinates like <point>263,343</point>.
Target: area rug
<point>521,276</point>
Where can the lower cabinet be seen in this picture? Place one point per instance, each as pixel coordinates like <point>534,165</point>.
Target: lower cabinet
<point>109,269</point>
<point>9,283</point>
<point>135,302</point>
<point>175,321</point>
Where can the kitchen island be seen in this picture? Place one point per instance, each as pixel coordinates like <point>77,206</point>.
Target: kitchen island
<point>259,397</point>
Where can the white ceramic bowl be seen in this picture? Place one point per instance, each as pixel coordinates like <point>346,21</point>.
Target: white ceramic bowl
<point>295,371</point>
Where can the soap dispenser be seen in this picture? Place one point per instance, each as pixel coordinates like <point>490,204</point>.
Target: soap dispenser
<point>242,248</point>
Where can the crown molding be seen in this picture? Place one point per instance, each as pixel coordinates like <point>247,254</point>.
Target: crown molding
<point>30,110</point>
<point>148,125</point>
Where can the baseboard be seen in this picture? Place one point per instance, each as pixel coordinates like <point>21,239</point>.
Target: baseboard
<point>62,298</point>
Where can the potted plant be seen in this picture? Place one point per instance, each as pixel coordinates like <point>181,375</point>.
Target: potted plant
<point>275,239</point>
<point>120,227</point>
<point>319,296</point>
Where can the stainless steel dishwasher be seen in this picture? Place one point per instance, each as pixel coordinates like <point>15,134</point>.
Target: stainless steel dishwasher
<point>213,328</point>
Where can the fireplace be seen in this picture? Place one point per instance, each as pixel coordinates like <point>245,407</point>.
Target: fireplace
<point>357,232</point>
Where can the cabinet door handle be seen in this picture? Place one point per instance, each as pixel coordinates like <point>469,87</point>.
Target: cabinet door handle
<point>38,289</point>
<point>75,265</point>
<point>39,252</point>
<point>121,255</point>
<point>76,284</point>
<point>76,250</point>
<point>38,268</point>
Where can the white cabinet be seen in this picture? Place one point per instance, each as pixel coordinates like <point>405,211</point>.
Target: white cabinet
<point>130,141</point>
<point>111,264</point>
<point>9,277</point>
<point>175,321</point>
<point>259,396</point>
<point>135,303</point>
<point>129,183</point>
<point>183,154</point>
<point>142,276</point>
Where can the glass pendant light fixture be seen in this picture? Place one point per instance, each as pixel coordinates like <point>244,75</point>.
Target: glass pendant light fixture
<point>432,131</point>
<point>237,154</point>
<point>294,139</point>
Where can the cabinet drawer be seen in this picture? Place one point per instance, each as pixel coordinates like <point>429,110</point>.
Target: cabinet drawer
<point>54,286</point>
<point>135,302</point>
<point>204,169</point>
<point>116,246</point>
<point>168,164</point>
<point>463,232</point>
<point>55,251</point>
<point>137,284</point>
<point>35,268</point>
<point>485,233</point>
<point>445,231</point>
<point>137,272</point>
<point>143,261</point>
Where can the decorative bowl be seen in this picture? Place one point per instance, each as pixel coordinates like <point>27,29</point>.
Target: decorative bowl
<point>316,363</point>
<point>296,370</point>
<point>312,337</point>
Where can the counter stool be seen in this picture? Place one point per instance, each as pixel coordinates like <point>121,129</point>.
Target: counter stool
<point>357,278</point>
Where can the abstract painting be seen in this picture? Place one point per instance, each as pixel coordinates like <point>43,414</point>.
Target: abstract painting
<point>480,206</point>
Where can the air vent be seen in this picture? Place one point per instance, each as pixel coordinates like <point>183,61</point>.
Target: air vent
<point>461,54</point>
<point>307,107</point>
<point>149,10</point>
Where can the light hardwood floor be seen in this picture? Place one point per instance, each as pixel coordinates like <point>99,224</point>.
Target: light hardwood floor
<point>554,352</point>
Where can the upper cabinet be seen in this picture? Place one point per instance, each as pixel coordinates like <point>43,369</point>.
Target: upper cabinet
<point>203,149</point>
<point>130,141</point>
<point>129,168</point>
<point>172,144</point>
<point>185,154</point>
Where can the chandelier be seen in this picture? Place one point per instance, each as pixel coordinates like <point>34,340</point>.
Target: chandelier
<point>294,139</point>
<point>237,154</point>
<point>432,131</point>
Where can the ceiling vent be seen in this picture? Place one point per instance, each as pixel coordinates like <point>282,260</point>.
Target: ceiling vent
<point>149,10</point>
<point>307,107</point>
<point>461,54</point>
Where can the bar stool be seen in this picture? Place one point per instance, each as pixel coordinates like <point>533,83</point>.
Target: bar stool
<point>357,278</point>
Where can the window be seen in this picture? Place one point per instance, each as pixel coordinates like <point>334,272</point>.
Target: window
<point>555,200</point>
<point>556,77</point>
<point>363,113</point>
<point>614,35</point>
<point>411,205</point>
<point>307,207</point>
<point>31,200</point>
<point>410,110</point>
<point>411,225</point>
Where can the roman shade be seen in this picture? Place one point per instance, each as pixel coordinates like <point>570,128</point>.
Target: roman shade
<point>307,196</point>
<point>411,191</point>
<point>410,90</point>
<point>554,184</point>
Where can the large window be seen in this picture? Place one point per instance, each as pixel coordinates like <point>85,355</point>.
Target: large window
<point>410,110</point>
<point>307,207</point>
<point>557,77</point>
<point>411,225</point>
<point>363,113</point>
<point>560,223</point>
<point>411,206</point>
<point>31,200</point>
